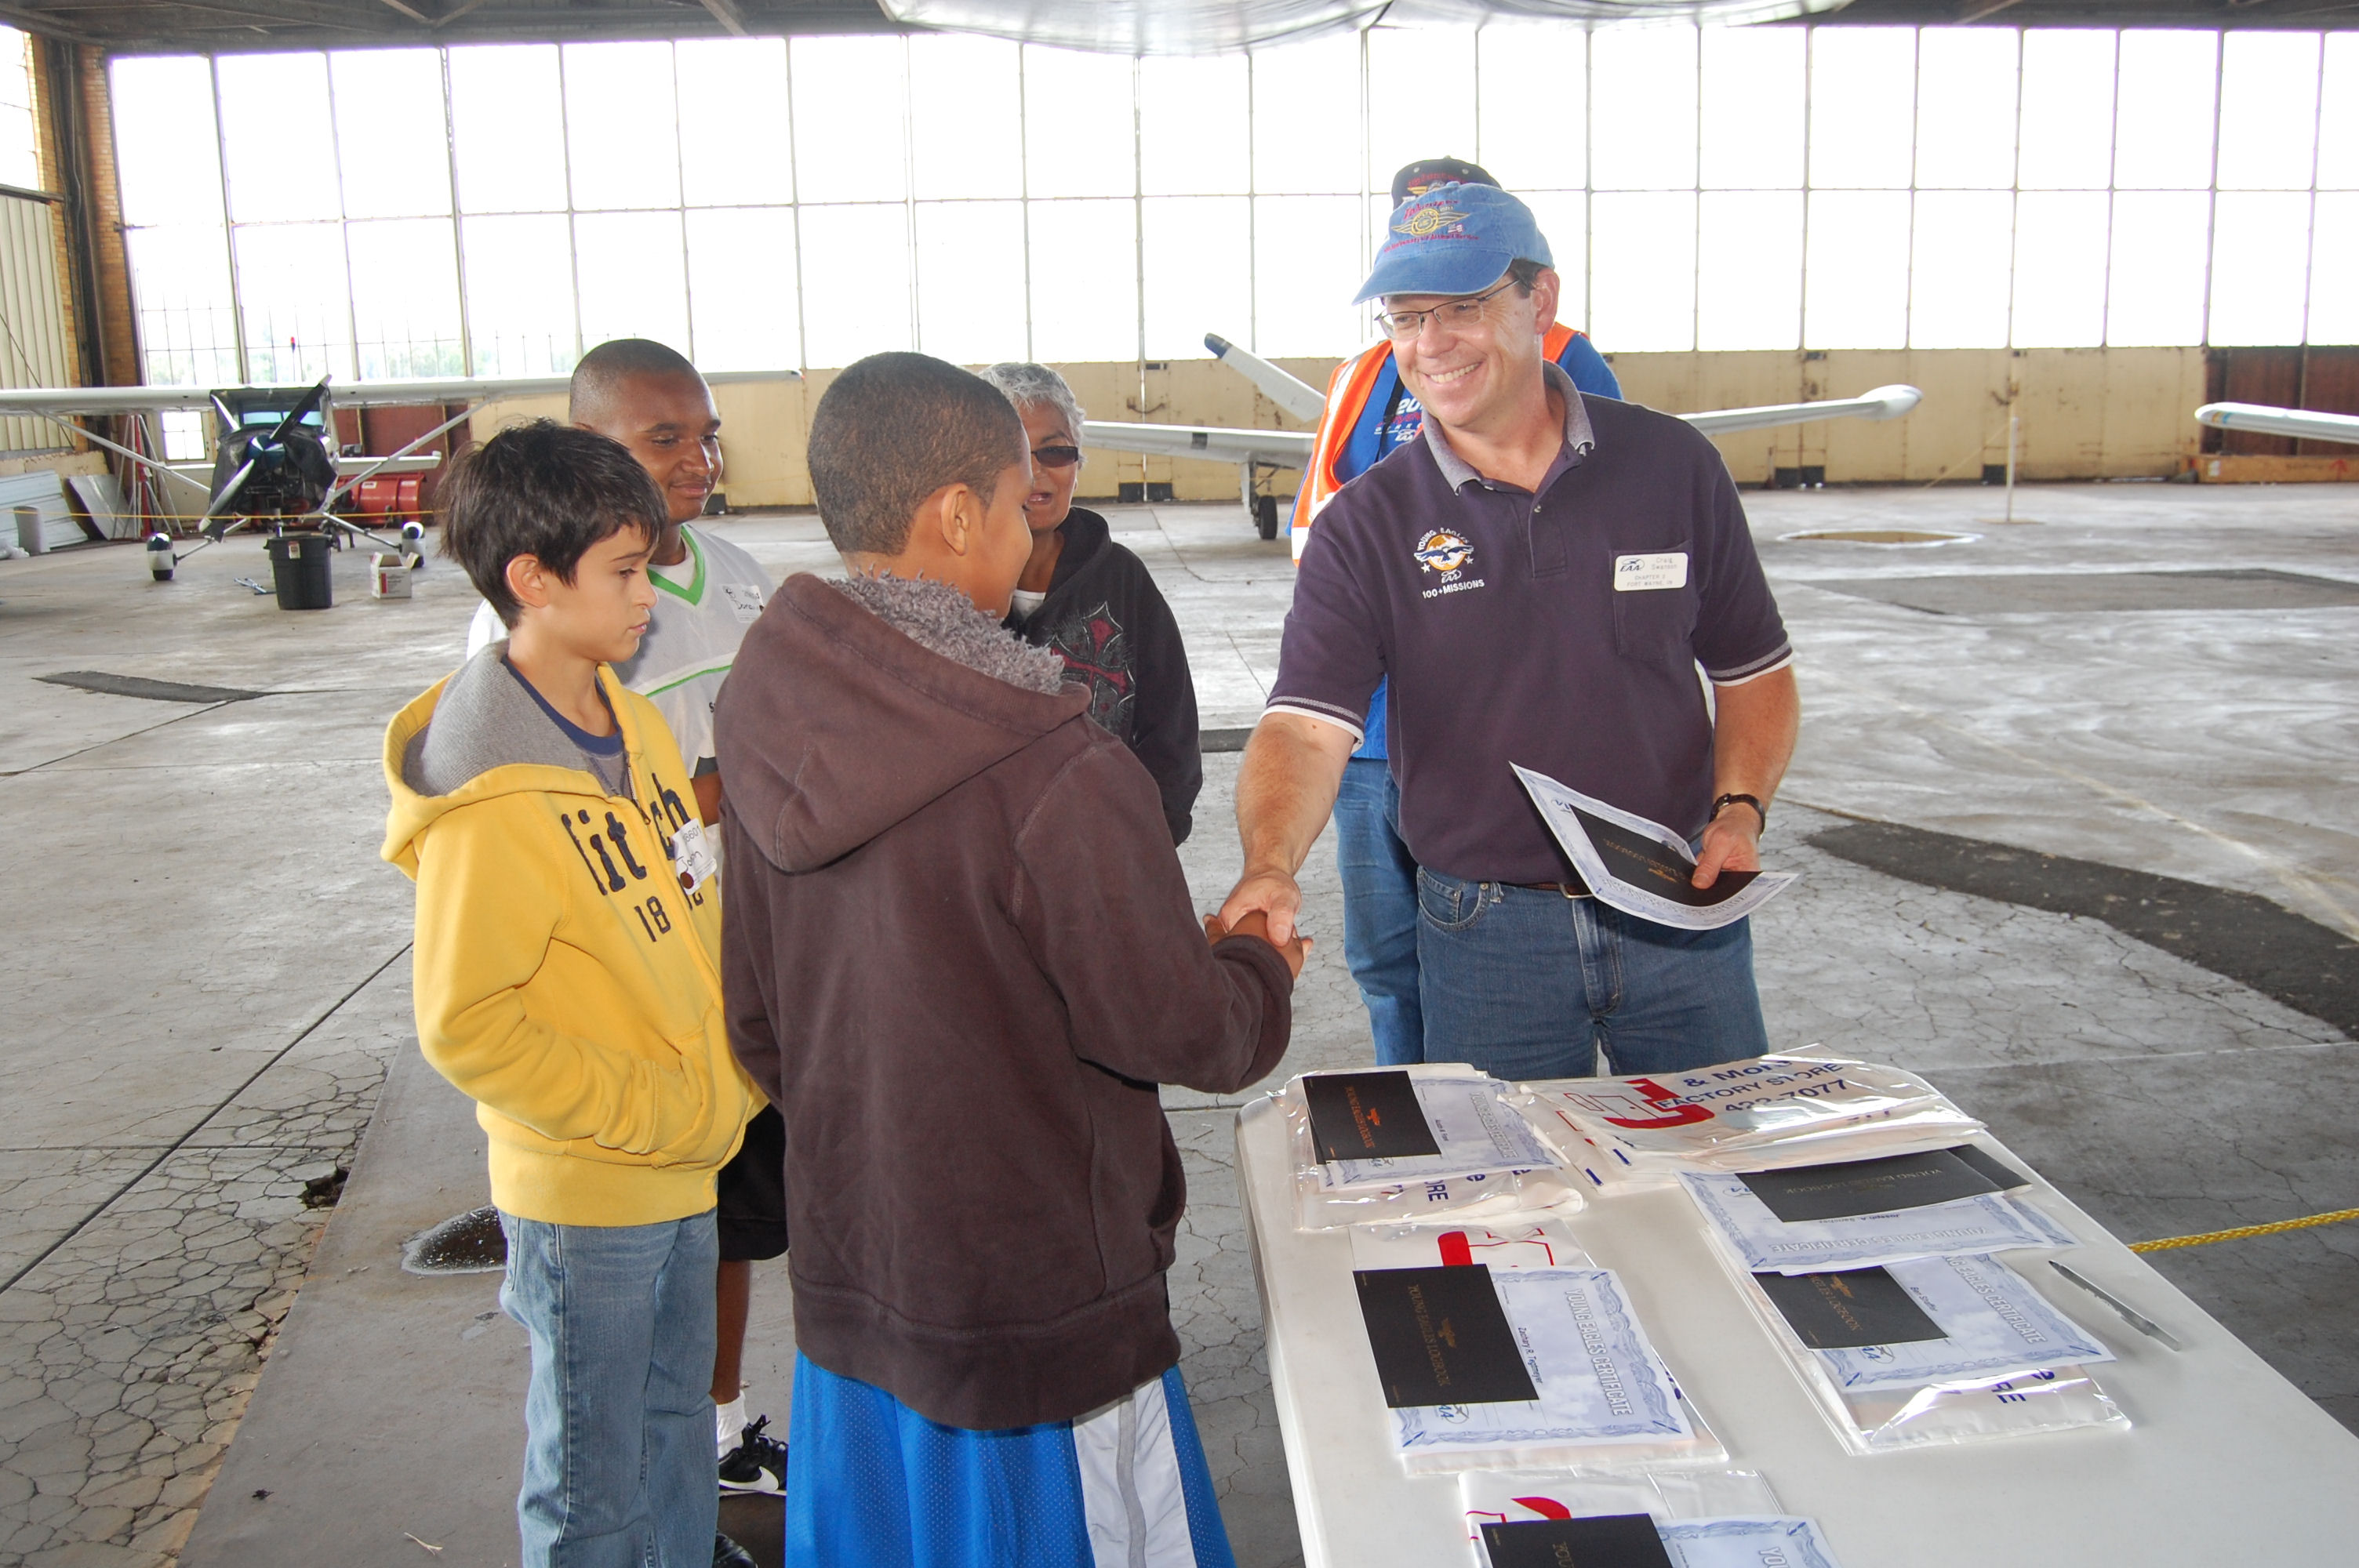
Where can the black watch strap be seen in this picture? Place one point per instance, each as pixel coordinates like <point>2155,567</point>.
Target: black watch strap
<point>1759,810</point>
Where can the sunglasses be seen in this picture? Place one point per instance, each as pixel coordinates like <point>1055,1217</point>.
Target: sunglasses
<point>1056,457</point>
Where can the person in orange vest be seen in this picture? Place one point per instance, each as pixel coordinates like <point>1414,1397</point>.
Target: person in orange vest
<point>1369,414</point>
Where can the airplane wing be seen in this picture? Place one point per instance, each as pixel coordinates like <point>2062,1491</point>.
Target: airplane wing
<point>494,389</point>
<point>1283,448</point>
<point>71,400</point>
<point>56,400</point>
<point>1291,448</point>
<point>2305,423</point>
<point>1297,396</point>
<point>1884,403</point>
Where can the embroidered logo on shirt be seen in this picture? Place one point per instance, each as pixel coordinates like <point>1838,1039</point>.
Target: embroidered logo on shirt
<point>1444,552</point>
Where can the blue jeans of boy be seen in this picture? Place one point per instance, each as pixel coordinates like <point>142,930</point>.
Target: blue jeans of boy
<point>1379,908</point>
<point>618,1418</point>
<point>1531,984</point>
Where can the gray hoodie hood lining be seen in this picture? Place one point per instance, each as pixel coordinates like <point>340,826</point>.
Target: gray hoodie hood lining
<point>485,719</point>
<point>943,621</point>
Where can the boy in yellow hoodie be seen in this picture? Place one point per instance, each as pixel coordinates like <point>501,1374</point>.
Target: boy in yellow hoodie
<point>568,922</point>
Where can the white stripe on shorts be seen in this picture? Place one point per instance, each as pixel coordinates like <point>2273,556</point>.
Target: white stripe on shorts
<point>1131,1492</point>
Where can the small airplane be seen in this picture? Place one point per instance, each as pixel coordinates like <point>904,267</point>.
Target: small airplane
<point>275,459</point>
<point>1259,453</point>
<point>2306,423</point>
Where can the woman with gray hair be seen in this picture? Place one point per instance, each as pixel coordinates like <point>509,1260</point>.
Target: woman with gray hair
<point>1095,604</point>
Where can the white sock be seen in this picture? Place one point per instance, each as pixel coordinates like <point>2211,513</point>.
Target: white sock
<point>729,1422</point>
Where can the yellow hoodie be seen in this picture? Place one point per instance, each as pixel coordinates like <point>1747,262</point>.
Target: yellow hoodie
<point>564,979</point>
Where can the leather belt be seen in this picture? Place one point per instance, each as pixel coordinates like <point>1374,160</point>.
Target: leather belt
<point>1569,890</point>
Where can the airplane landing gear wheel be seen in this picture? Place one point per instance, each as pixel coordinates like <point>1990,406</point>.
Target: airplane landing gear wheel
<point>1266,516</point>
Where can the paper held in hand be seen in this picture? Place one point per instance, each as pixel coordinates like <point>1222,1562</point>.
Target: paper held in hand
<point>1643,868</point>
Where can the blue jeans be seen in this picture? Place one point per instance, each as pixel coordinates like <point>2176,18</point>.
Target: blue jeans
<point>1379,908</point>
<point>1531,984</point>
<point>618,1418</point>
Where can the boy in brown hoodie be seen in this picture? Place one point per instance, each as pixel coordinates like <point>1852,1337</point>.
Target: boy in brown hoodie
<point>959,954</point>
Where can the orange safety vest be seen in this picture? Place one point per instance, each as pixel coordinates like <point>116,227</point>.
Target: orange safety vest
<point>1347,399</point>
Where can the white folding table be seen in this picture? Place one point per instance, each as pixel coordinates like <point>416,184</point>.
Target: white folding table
<point>2225,1462</point>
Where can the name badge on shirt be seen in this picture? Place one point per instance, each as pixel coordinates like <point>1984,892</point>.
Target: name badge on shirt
<point>1635,574</point>
<point>744,602</point>
<point>692,857</point>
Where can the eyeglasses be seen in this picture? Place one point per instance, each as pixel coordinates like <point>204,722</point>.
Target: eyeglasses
<point>1407,326</point>
<point>1056,457</point>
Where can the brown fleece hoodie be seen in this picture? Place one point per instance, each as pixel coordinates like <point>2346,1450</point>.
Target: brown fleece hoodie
<point>959,954</point>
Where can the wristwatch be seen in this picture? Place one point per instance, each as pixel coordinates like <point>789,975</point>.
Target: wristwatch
<point>1759,810</point>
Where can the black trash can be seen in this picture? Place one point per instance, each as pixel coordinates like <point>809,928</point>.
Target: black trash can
<point>299,571</point>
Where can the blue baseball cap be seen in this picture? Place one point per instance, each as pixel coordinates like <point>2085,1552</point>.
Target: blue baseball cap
<point>1454,239</point>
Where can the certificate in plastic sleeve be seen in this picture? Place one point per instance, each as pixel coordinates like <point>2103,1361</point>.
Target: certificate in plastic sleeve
<point>1993,1324</point>
<point>1470,1127</point>
<point>1596,1379</point>
<point>1990,1223</point>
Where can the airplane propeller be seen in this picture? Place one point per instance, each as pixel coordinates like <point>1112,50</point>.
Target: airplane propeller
<point>216,525</point>
<point>303,406</point>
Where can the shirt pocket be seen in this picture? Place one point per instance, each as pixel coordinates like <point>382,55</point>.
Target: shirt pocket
<point>1655,625</point>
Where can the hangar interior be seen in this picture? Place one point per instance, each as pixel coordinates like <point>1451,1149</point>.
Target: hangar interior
<point>2073,794</point>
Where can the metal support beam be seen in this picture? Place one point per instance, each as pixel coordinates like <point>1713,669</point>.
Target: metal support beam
<point>725,13</point>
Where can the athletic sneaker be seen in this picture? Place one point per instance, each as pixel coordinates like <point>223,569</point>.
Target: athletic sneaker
<point>727,1553</point>
<point>759,1463</point>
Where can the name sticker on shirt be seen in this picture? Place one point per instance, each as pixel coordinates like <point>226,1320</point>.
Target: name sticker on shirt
<point>744,601</point>
<point>1635,574</point>
<point>692,857</point>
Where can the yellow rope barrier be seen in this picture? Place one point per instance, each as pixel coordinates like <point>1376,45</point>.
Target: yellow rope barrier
<point>2241,1231</point>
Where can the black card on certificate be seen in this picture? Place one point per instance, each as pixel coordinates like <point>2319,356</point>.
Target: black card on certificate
<point>1654,868</point>
<point>1849,1308</point>
<point>2004,1176</point>
<point>1867,1186</point>
<point>1441,1337</point>
<point>1367,1116</point>
<point>1605,1541</point>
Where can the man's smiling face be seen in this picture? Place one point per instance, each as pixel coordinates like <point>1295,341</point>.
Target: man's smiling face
<point>1468,373</point>
<point>670,426</point>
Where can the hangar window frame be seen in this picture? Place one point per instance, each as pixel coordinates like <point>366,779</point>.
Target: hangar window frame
<point>1281,218</point>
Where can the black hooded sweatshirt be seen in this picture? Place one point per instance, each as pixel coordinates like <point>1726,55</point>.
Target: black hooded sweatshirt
<point>959,954</point>
<point>1107,619</point>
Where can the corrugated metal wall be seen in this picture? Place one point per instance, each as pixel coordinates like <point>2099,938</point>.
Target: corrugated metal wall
<point>32,318</point>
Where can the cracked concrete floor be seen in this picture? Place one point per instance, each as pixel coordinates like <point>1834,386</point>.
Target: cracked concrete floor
<point>195,1032</point>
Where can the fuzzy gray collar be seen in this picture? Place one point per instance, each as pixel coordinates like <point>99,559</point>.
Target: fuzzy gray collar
<point>941,619</point>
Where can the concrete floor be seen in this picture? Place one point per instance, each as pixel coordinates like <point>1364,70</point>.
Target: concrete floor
<point>208,981</point>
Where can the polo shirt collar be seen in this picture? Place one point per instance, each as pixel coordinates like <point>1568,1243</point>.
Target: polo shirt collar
<point>1579,438</point>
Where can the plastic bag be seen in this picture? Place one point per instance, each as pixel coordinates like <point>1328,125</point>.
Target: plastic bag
<point>1511,1245</point>
<point>1608,1401</point>
<point>1967,1409</point>
<point>1669,1497</point>
<point>1494,1496</point>
<point>1787,1109</point>
<point>1490,1197</point>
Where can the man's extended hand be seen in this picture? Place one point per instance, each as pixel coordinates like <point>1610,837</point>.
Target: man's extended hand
<point>1258,924</point>
<point>1268,893</point>
<point>1731,843</point>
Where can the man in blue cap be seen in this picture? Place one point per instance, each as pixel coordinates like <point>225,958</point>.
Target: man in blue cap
<point>1370,411</point>
<point>1539,577</point>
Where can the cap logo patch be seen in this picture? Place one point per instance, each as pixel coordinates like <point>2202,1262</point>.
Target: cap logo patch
<point>1430,219</point>
<point>1444,552</point>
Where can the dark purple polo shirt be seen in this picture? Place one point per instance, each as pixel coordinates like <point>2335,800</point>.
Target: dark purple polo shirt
<point>1496,616</point>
